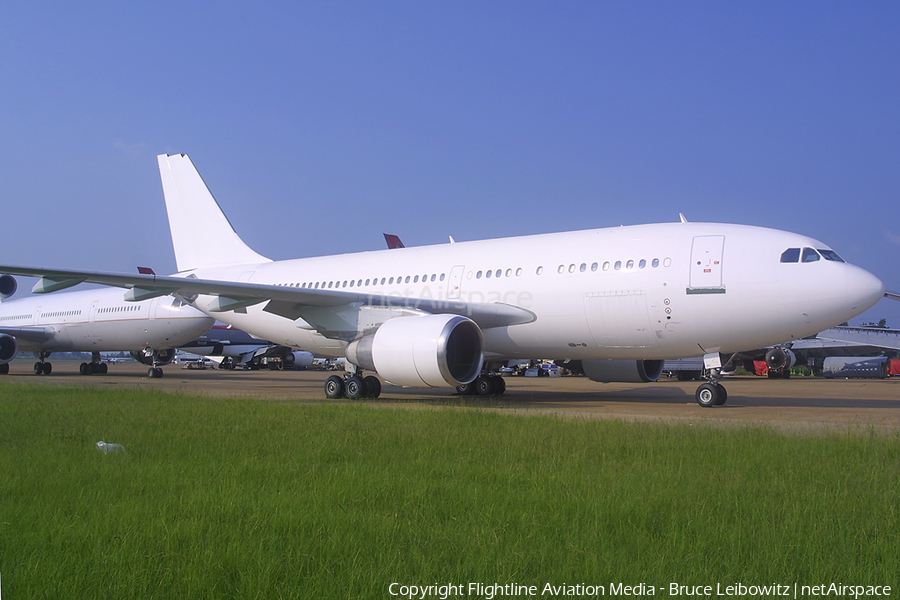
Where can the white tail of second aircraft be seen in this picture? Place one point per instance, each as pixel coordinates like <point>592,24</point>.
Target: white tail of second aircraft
<point>201,233</point>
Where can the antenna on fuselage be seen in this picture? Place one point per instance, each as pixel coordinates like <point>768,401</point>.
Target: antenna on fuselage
<point>682,217</point>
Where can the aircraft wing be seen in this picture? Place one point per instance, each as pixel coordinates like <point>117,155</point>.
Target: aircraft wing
<point>37,335</point>
<point>318,307</point>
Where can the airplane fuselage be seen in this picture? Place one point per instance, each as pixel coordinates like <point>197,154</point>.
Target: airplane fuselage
<point>101,320</point>
<point>638,292</point>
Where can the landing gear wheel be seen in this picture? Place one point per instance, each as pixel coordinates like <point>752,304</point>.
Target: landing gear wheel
<point>485,385</point>
<point>723,395</point>
<point>38,368</point>
<point>154,373</point>
<point>85,369</point>
<point>466,389</point>
<point>500,385</point>
<point>373,386</point>
<point>711,394</point>
<point>102,368</point>
<point>353,387</point>
<point>4,369</point>
<point>334,387</point>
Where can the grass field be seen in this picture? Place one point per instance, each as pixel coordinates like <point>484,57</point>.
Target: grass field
<point>246,499</point>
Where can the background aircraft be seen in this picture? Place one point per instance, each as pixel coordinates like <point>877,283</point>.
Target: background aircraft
<point>240,348</point>
<point>620,300</point>
<point>94,321</point>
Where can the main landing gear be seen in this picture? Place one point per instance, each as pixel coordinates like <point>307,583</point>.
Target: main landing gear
<point>352,387</point>
<point>486,384</point>
<point>95,367</point>
<point>41,367</point>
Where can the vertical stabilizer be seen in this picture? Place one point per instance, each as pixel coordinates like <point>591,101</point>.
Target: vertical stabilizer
<point>201,233</point>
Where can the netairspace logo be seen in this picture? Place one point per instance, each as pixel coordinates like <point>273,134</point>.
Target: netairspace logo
<point>490,591</point>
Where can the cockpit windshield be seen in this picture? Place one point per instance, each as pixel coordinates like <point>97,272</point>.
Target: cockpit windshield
<point>830,255</point>
<point>807,255</point>
<point>791,255</point>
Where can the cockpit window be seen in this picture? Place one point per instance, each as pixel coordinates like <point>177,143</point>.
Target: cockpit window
<point>791,255</point>
<point>831,255</point>
<point>810,255</point>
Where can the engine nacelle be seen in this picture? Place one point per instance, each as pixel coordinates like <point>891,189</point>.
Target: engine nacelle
<point>432,350</point>
<point>154,357</point>
<point>298,359</point>
<point>8,286</point>
<point>780,358</point>
<point>624,371</point>
<point>8,348</point>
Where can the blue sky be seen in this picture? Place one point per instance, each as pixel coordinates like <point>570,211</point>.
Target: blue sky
<point>318,126</point>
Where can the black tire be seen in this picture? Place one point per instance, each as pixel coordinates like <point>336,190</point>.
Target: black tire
<point>499,385</point>
<point>103,368</point>
<point>84,369</point>
<point>4,369</point>
<point>485,386</point>
<point>709,395</point>
<point>466,389</point>
<point>48,368</point>
<point>354,387</point>
<point>723,395</point>
<point>38,368</point>
<point>373,386</point>
<point>334,387</point>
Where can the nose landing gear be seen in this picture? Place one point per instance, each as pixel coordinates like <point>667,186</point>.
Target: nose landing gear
<point>712,393</point>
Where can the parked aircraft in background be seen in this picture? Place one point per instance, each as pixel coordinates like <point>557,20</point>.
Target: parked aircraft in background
<point>620,300</point>
<point>392,241</point>
<point>94,321</point>
<point>240,348</point>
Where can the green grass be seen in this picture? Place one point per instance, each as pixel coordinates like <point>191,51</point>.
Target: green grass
<point>224,498</point>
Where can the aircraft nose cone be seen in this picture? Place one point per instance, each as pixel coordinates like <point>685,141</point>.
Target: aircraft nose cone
<point>863,288</point>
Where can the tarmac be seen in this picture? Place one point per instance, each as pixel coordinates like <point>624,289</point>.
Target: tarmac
<point>798,404</point>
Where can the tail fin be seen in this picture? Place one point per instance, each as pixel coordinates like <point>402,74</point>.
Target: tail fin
<point>392,241</point>
<point>201,233</point>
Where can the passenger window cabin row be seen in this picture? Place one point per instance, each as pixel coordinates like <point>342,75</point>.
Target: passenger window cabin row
<point>486,274</point>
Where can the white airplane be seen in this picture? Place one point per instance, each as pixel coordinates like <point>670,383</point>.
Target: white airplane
<point>94,321</point>
<point>620,300</point>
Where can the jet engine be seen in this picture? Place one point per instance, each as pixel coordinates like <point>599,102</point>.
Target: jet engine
<point>302,359</point>
<point>8,348</point>
<point>624,371</point>
<point>154,357</point>
<point>432,350</point>
<point>780,358</point>
<point>8,286</point>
